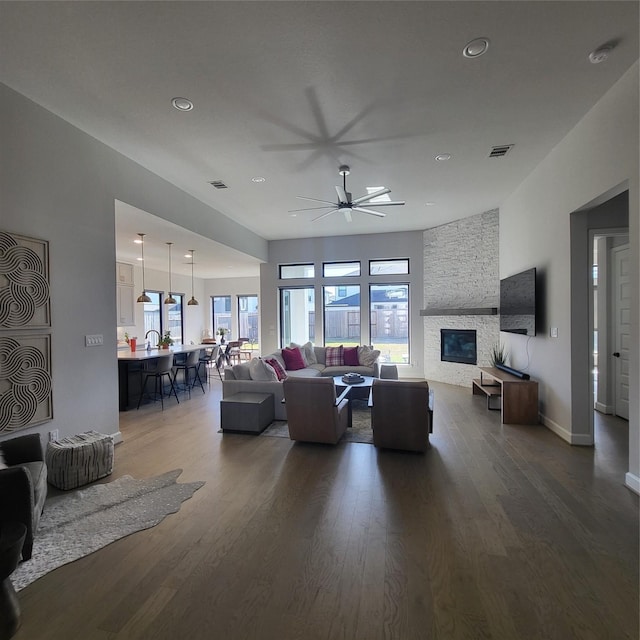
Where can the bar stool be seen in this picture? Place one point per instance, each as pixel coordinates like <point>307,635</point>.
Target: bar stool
<point>192,362</point>
<point>208,359</point>
<point>157,369</point>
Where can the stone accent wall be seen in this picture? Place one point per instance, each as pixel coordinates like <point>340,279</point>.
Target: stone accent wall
<point>461,270</point>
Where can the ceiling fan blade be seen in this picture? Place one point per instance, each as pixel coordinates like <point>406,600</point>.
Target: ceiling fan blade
<point>311,208</point>
<point>375,194</point>
<point>324,215</point>
<point>342,194</point>
<point>347,215</point>
<point>370,212</point>
<point>332,204</point>
<point>386,204</point>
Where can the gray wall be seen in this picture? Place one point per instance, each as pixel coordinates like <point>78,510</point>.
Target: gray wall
<point>461,271</point>
<point>59,184</point>
<point>598,157</point>
<point>357,247</point>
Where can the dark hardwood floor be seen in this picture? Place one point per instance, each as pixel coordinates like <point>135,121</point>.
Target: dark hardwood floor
<point>502,532</point>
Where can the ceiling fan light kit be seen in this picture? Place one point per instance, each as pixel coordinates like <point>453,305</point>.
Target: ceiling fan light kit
<point>346,204</point>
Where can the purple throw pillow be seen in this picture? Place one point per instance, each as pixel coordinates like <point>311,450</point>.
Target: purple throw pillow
<point>292,359</point>
<point>350,356</point>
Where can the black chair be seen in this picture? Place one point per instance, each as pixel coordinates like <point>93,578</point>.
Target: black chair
<point>157,369</point>
<point>190,363</point>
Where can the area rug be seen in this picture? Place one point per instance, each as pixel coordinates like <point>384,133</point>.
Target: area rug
<point>360,431</point>
<point>78,523</point>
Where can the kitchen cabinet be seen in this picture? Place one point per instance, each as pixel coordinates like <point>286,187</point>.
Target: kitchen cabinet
<point>125,295</point>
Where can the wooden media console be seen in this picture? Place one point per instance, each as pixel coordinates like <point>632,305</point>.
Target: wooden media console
<point>518,397</point>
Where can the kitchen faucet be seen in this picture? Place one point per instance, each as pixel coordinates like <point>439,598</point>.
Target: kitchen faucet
<point>154,331</point>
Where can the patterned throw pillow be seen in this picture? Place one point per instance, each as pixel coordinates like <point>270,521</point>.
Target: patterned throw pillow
<point>292,359</point>
<point>367,356</point>
<point>350,356</point>
<point>334,357</point>
<point>277,367</point>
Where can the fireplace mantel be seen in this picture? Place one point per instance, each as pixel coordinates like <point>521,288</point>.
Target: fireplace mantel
<point>477,311</point>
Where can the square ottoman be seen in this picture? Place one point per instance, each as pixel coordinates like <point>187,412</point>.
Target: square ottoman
<point>80,459</point>
<point>246,412</point>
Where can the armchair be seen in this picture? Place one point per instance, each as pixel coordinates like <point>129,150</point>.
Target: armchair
<point>23,485</point>
<point>402,414</point>
<point>314,413</point>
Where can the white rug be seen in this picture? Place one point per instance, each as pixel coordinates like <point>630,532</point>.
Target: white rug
<point>78,523</point>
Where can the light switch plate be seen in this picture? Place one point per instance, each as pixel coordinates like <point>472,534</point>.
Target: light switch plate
<point>553,332</point>
<point>93,341</point>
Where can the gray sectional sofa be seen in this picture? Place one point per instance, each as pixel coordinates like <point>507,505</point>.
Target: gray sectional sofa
<point>250,377</point>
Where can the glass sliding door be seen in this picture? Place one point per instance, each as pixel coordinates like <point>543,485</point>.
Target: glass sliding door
<point>297,315</point>
<point>342,315</point>
<point>221,313</point>
<point>248,318</point>
<point>389,321</point>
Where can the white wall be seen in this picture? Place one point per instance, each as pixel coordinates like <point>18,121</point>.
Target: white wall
<point>595,158</point>
<point>59,184</point>
<point>356,247</point>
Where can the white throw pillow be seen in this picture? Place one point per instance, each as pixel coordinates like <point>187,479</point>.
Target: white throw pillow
<point>261,370</point>
<point>308,354</point>
<point>367,356</point>
<point>241,371</point>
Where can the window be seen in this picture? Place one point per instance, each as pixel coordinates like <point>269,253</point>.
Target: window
<point>389,321</point>
<point>248,317</point>
<point>290,271</point>
<point>340,269</point>
<point>152,315</point>
<point>221,313</point>
<point>389,267</point>
<point>342,315</point>
<point>297,315</point>
<point>175,318</point>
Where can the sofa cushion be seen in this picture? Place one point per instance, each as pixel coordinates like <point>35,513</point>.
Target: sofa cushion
<point>334,357</point>
<point>367,356</point>
<point>241,371</point>
<point>261,370</point>
<point>350,356</point>
<point>277,367</point>
<point>307,372</point>
<point>320,354</point>
<point>293,359</point>
<point>307,351</point>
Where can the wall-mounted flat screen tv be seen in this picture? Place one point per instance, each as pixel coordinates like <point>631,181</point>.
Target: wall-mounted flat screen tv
<point>518,303</point>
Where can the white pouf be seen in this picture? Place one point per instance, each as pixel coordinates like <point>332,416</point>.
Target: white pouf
<point>80,459</point>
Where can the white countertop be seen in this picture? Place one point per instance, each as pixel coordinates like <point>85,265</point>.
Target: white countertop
<point>143,354</point>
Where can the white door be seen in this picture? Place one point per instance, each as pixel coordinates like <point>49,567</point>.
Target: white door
<point>621,328</point>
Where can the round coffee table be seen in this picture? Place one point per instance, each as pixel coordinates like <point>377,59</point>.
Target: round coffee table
<point>359,391</point>
<point>12,536</point>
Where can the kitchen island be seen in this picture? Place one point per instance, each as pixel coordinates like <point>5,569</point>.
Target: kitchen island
<point>131,365</point>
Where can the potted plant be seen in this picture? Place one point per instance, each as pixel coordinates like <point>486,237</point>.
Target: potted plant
<point>222,332</point>
<point>499,354</point>
<point>166,341</point>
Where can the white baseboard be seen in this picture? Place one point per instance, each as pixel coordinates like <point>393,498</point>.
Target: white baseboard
<point>600,407</point>
<point>632,481</point>
<point>117,437</point>
<point>578,439</point>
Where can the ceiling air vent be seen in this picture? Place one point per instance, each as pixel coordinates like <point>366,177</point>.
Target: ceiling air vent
<point>500,151</point>
<point>218,184</point>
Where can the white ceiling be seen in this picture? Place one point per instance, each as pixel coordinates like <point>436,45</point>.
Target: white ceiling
<point>291,90</point>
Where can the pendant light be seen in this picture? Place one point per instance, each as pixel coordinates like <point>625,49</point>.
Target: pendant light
<point>144,297</point>
<point>193,301</point>
<point>169,299</point>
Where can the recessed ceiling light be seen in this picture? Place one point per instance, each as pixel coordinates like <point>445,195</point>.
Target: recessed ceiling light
<point>476,48</point>
<point>442,157</point>
<point>187,255</point>
<point>600,54</point>
<point>258,179</point>
<point>293,215</point>
<point>182,104</point>
<point>138,241</point>
<point>429,204</point>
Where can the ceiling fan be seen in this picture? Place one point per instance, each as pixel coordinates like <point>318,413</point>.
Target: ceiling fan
<point>345,202</point>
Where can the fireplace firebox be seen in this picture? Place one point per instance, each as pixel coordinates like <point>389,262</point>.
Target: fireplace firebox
<point>458,345</point>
